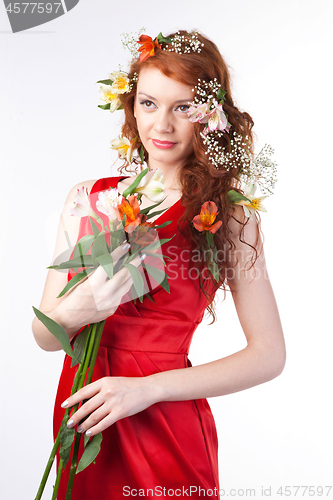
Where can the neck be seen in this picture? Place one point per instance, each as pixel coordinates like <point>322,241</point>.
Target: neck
<point>170,174</point>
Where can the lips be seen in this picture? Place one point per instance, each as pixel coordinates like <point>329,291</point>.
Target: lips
<point>163,144</point>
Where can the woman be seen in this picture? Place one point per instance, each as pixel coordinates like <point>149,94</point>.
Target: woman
<point>159,436</point>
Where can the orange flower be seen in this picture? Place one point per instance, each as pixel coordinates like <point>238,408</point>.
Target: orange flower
<point>148,46</point>
<point>145,234</point>
<point>205,220</point>
<point>131,209</point>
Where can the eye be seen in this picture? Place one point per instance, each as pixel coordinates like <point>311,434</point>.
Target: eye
<point>183,108</point>
<point>147,104</point>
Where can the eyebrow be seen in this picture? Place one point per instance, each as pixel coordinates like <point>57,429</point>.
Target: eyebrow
<point>154,98</point>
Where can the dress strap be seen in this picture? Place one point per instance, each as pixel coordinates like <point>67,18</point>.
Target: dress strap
<point>106,183</point>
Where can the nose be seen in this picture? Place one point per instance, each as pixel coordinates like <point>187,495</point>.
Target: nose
<point>163,121</point>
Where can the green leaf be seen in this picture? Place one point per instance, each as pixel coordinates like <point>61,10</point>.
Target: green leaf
<point>75,263</point>
<point>157,244</point>
<point>150,298</point>
<point>157,274</point>
<point>142,155</point>
<point>80,345</point>
<point>106,262</point>
<point>162,39</point>
<point>149,216</point>
<point>99,247</point>
<point>157,255</point>
<point>104,106</point>
<point>137,279</point>
<point>135,184</point>
<point>57,331</point>
<point>163,225</point>
<point>90,453</point>
<point>86,440</point>
<point>235,197</point>
<point>220,96</point>
<point>76,279</point>
<point>146,210</point>
<point>106,82</point>
<point>83,245</point>
<point>94,227</point>
<point>66,440</point>
<point>165,284</point>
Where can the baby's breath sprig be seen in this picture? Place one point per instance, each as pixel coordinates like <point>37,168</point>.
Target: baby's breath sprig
<point>206,91</point>
<point>184,44</point>
<point>258,168</point>
<point>129,41</point>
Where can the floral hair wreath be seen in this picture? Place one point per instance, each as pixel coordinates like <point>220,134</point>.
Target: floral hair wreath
<point>207,109</point>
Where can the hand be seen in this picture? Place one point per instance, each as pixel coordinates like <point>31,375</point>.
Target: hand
<point>96,298</point>
<point>109,399</point>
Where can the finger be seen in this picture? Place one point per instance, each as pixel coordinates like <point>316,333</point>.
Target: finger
<point>86,392</point>
<point>118,253</point>
<point>90,406</point>
<point>110,419</point>
<point>94,418</point>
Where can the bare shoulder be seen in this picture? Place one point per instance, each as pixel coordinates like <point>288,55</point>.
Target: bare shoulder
<point>242,228</point>
<point>125,183</point>
<point>87,184</point>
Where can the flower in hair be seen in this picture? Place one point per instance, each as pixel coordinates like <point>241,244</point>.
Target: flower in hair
<point>250,203</point>
<point>197,112</point>
<point>205,220</point>
<point>117,84</point>
<point>124,147</point>
<point>110,98</point>
<point>216,119</point>
<point>148,46</point>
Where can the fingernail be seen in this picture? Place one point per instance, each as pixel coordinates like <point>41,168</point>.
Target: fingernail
<point>88,433</point>
<point>126,246</point>
<point>79,429</point>
<point>142,257</point>
<point>64,404</point>
<point>70,423</point>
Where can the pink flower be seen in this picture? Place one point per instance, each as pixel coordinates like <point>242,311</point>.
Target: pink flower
<point>198,112</point>
<point>216,119</point>
<point>82,206</point>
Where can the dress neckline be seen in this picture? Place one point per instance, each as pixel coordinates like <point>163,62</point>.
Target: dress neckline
<point>173,206</point>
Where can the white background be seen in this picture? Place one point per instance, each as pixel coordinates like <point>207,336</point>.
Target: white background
<point>54,136</point>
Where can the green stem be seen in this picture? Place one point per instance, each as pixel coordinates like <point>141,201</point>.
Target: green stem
<point>57,483</point>
<point>100,327</point>
<point>73,466</point>
<point>48,468</point>
<point>88,358</point>
<point>57,441</point>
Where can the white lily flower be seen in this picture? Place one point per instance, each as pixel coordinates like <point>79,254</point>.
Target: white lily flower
<point>152,186</point>
<point>124,147</point>
<point>82,206</point>
<point>250,207</point>
<point>121,82</point>
<point>109,95</point>
<point>108,201</point>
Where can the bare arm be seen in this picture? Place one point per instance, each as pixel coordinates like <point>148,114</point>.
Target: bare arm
<point>92,301</point>
<point>261,360</point>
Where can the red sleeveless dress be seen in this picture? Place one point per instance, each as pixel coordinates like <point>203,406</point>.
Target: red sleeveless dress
<point>169,449</point>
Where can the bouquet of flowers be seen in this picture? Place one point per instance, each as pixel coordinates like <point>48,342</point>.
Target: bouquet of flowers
<point>125,219</point>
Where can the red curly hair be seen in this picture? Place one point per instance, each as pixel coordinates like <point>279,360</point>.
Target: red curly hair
<point>200,181</point>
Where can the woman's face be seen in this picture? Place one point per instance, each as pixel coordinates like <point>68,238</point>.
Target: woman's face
<point>160,109</point>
